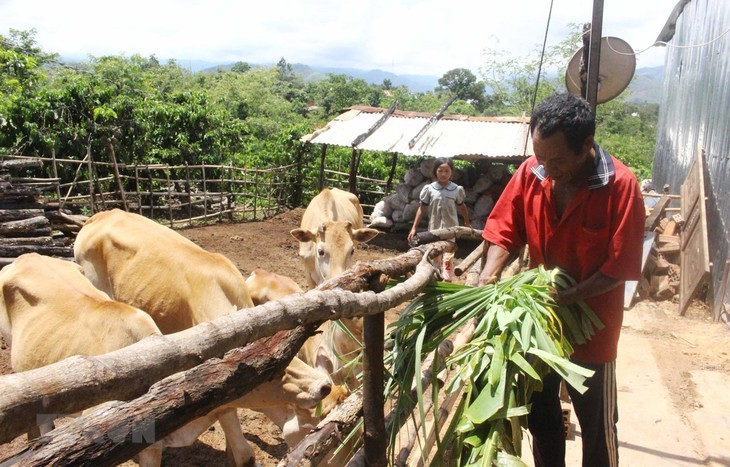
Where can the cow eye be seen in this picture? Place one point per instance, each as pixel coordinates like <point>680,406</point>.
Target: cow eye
<point>320,251</point>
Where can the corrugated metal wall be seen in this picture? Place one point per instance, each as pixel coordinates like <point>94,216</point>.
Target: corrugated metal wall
<point>695,112</point>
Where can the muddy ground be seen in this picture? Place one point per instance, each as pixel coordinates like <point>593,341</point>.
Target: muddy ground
<point>680,345</point>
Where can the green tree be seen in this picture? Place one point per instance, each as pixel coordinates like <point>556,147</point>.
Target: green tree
<point>462,83</point>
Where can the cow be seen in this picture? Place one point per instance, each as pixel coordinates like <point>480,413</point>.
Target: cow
<point>140,262</point>
<point>330,227</point>
<point>49,311</point>
<point>265,286</point>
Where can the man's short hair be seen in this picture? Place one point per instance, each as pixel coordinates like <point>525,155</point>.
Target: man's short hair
<point>567,113</point>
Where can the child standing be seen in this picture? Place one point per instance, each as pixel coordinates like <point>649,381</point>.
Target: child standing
<point>442,197</point>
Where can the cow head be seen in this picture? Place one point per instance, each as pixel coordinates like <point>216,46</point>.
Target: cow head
<point>333,247</point>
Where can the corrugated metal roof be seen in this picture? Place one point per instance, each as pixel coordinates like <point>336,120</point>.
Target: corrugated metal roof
<point>458,136</point>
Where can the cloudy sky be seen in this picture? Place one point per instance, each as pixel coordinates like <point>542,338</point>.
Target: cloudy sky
<point>401,36</point>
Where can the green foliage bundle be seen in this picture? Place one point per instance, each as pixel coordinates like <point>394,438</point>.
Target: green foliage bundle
<point>520,335</point>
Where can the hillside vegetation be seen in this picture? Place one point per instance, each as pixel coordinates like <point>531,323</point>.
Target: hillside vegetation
<point>252,116</point>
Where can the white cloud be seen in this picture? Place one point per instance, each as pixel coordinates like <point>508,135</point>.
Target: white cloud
<point>403,36</point>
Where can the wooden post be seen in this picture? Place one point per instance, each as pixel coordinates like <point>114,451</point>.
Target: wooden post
<point>321,167</point>
<point>297,198</point>
<point>230,191</point>
<point>352,182</point>
<point>170,189</point>
<point>255,192</point>
<point>190,197</point>
<point>393,165</point>
<point>375,436</point>
<point>139,193</point>
<point>120,185</point>
<point>220,194</point>
<point>205,196</point>
<point>152,193</point>
<point>54,167</point>
<point>92,199</point>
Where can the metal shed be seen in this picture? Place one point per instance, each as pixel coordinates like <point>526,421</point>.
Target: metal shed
<point>693,121</point>
<point>427,135</point>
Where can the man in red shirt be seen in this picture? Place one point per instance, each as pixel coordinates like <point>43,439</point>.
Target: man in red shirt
<point>578,208</point>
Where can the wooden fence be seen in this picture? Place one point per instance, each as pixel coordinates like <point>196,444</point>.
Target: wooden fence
<point>185,194</point>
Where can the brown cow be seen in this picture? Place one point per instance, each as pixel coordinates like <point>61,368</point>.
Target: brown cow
<point>330,227</point>
<point>49,311</point>
<point>147,265</point>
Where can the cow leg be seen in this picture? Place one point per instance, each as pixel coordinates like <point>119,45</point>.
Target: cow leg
<point>238,450</point>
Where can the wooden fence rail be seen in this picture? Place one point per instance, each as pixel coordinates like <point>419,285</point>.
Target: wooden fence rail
<point>180,194</point>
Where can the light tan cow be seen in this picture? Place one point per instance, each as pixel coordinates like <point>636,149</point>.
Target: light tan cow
<point>268,286</point>
<point>330,227</point>
<point>138,261</point>
<point>265,286</point>
<point>145,264</point>
<point>49,311</point>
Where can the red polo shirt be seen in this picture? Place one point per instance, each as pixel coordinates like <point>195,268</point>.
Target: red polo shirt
<point>601,229</point>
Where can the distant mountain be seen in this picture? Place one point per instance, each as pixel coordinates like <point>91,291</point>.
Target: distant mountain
<point>414,83</point>
<point>647,85</point>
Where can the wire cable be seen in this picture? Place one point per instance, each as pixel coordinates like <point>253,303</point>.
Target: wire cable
<point>539,71</point>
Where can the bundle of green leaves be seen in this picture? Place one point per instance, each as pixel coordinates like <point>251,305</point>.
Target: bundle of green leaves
<point>520,335</point>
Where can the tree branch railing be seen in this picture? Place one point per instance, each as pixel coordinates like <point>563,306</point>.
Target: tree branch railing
<point>77,383</point>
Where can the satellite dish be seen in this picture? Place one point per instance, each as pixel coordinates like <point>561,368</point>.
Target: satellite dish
<point>615,70</point>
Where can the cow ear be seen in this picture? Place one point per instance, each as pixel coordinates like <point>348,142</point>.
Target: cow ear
<point>303,235</point>
<point>365,234</point>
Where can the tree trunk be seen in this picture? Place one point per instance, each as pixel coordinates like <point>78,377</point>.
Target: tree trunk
<point>14,251</point>
<point>117,431</point>
<point>330,432</point>
<point>12,227</point>
<point>19,214</point>
<point>430,236</point>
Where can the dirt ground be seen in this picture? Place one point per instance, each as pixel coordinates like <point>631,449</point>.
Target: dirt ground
<point>680,345</point>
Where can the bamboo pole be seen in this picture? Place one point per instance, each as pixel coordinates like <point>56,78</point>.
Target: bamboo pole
<point>170,189</point>
<point>472,258</point>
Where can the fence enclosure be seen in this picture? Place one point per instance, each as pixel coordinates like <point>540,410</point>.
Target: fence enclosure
<point>181,195</point>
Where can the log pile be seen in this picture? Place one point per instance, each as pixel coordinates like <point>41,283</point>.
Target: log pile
<point>661,271</point>
<point>28,221</point>
<point>483,183</point>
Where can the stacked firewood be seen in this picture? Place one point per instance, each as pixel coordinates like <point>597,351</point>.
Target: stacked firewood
<point>660,280</point>
<point>28,222</point>
<point>483,183</point>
